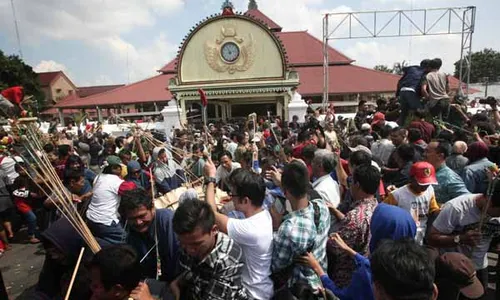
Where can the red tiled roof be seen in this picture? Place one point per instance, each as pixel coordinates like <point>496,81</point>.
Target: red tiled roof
<point>45,78</point>
<point>53,111</point>
<point>303,49</point>
<point>170,67</point>
<point>152,89</point>
<point>345,79</point>
<point>454,82</point>
<point>85,91</point>
<point>257,14</point>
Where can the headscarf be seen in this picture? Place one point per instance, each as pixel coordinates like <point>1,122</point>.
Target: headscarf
<point>143,180</point>
<point>390,222</point>
<point>477,151</point>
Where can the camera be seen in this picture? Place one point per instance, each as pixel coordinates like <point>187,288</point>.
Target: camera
<point>490,101</point>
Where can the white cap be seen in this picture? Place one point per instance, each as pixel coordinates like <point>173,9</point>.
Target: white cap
<point>366,126</point>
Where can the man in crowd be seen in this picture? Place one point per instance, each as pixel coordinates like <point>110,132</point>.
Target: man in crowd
<point>382,148</point>
<point>402,270</point>
<point>379,121</point>
<point>304,230</point>
<point>475,173</point>
<point>457,161</point>
<point>168,174</point>
<point>408,89</point>
<point>233,142</point>
<point>115,273</point>
<point>457,228</point>
<point>323,164</point>
<point>417,197</point>
<point>226,167</point>
<point>151,234</point>
<point>211,263</point>
<point>354,227</point>
<point>361,114</point>
<point>427,129</point>
<point>450,185</point>
<point>435,89</point>
<point>254,234</point>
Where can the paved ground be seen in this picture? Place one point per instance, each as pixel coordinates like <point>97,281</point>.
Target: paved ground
<point>21,265</point>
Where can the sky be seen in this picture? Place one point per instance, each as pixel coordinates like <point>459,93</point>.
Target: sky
<point>99,42</point>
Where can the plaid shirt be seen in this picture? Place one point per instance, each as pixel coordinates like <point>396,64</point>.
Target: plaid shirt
<point>296,236</point>
<point>218,276</point>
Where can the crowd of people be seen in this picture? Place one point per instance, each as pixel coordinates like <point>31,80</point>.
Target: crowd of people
<point>402,202</point>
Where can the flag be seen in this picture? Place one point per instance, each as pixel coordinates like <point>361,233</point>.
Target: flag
<point>203,97</point>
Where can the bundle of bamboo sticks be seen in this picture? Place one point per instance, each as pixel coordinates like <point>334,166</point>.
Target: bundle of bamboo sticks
<point>46,178</point>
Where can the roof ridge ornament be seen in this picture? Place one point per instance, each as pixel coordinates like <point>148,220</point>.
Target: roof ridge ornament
<point>252,4</point>
<point>227,8</point>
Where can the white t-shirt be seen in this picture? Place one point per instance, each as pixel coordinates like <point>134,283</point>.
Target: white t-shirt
<point>103,207</point>
<point>328,189</point>
<point>255,237</point>
<point>8,165</point>
<point>458,216</point>
<point>222,174</point>
<point>419,206</point>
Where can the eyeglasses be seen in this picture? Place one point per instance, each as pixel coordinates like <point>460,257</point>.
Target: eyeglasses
<point>231,194</point>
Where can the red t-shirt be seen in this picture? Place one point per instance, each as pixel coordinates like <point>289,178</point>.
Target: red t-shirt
<point>426,128</point>
<point>14,94</point>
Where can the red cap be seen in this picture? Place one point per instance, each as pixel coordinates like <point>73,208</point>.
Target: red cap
<point>424,173</point>
<point>377,118</point>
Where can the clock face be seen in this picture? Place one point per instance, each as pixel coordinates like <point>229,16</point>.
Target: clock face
<point>230,52</point>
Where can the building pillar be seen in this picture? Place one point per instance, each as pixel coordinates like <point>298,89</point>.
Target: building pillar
<point>183,111</point>
<point>99,114</point>
<point>216,106</point>
<point>229,112</point>
<point>156,106</point>
<point>61,116</point>
<point>279,108</point>
<point>286,101</point>
<point>224,111</point>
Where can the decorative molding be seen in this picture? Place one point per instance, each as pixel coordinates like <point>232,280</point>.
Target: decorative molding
<point>246,52</point>
<point>237,15</point>
<point>226,92</point>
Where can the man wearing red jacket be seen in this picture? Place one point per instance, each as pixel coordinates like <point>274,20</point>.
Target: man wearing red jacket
<point>11,101</point>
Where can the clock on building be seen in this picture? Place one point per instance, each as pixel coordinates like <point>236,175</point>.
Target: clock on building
<point>230,52</point>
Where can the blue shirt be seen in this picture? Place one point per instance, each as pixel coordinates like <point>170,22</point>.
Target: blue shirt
<point>449,186</point>
<point>360,287</point>
<point>168,246</point>
<point>475,176</point>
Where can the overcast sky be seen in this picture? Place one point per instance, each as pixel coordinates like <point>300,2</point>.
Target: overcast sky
<point>121,41</point>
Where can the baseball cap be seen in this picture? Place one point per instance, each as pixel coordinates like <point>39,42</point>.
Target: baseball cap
<point>460,270</point>
<point>424,173</point>
<point>366,126</point>
<point>113,160</point>
<point>361,148</point>
<point>377,118</point>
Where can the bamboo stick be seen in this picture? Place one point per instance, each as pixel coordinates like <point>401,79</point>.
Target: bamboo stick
<point>68,292</point>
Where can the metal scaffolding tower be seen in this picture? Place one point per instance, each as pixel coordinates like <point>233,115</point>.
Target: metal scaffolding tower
<point>391,23</point>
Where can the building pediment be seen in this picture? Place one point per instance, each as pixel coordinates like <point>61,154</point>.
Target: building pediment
<point>231,48</point>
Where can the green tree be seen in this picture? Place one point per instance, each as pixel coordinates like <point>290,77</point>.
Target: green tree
<point>383,68</point>
<point>485,63</point>
<point>13,71</point>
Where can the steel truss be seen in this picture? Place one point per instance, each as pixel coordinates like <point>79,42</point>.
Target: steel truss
<point>368,24</point>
